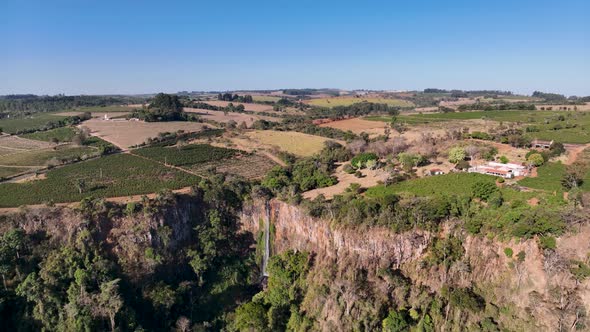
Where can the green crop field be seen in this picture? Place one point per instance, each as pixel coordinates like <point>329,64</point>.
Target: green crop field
<point>10,171</point>
<point>112,176</point>
<point>453,184</point>
<point>549,178</point>
<point>266,98</point>
<point>38,120</point>
<point>187,155</point>
<point>106,109</point>
<point>63,134</point>
<point>447,184</point>
<point>43,156</point>
<point>347,101</point>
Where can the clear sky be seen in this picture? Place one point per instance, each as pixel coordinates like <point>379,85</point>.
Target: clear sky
<point>118,46</point>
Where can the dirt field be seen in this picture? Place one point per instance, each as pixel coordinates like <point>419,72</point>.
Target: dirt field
<point>370,179</point>
<point>128,133</point>
<point>219,116</point>
<point>358,125</point>
<point>289,141</point>
<point>585,107</point>
<point>11,144</point>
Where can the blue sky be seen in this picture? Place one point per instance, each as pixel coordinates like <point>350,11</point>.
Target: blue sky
<point>102,47</point>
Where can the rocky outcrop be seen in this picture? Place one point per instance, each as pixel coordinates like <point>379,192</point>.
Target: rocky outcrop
<point>539,286</point>
<point>376,247</point>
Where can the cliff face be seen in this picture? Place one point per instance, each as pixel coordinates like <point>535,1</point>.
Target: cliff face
<point>537,288</point>
<point>347,282</point>
<point>293,229</point>
<point>125,237</point>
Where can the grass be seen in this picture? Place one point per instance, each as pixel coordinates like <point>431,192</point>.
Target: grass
<point>44,156</point>
<point>347,101</point>
<point>549,178</point>
<point>293,142</point>
<point>100,109</point>
<point>266,98</point>
<point>187,155</point>
<point>544,121</point>
<point>453,184</point>
<point>10,171</point>
<point>64,134</point>
<point>38,120</point>
<point>447,184</point>
<point>122,175</point>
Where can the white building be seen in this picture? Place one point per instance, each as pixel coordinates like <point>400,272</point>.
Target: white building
<point>507,171</point>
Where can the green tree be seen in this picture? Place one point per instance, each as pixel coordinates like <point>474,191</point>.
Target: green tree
<point>396,321</point>
<point>456,154</point>
<point>536,159</point>
<point>251,317</point>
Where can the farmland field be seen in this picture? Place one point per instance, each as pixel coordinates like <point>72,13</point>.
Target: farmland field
<point>289,141</point>
<point>42,157</point>
<point>129,133</point>
<point>248,106</point>
<point>187,155</point>
<point>357,125</point>
<point>551,125</point>
<point>347,101</point>
<point>38,120</point>
<point>549,178</point>
<point>265,98</point>
<point>250,166</point>
<point>18,144</point>
<point>220,116</point>
<point>122,175</point>
<point>9,171</point>
<point>452,184</point>
<point>63,134</point>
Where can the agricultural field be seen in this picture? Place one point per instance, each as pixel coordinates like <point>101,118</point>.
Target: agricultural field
<point>225,117</point>
<point>347,101</point>
<point>300,144</point>
<point>114,111</point>
<point>187,155</point>
<point>41,158</point>
<point>550,125</point>
<point>112,176</point>
<point>11,171</point>
<point>250,166</point>
<point>63,134</point>
<point>549,178</point>
<point>248,106</point>
<point>13,144</point>
<point>358,125</point>
<point>455,183</point>
<point>265,98</point>
<point>34,121</point>
<point>125,134</point>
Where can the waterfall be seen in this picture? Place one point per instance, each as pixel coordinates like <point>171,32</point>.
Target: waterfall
<point>266,240</point>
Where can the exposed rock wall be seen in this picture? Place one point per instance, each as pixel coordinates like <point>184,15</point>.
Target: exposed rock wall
<point>293,229</point>
<point>544,294</point>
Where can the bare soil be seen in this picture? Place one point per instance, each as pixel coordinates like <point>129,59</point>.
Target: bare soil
<point>370,179</point>
<point>124,133</point>
<point>220,116</point>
